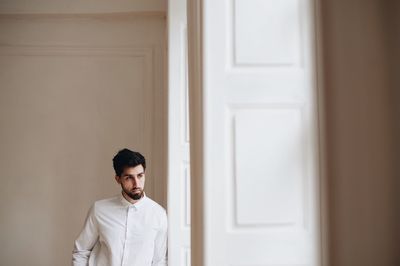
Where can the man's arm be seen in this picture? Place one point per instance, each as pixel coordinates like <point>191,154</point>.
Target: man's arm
<point>86,240</point>
<point>160,245</point>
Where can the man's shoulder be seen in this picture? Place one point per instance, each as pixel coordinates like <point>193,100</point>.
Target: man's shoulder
<point>155,206</point>
<point>106,202</point>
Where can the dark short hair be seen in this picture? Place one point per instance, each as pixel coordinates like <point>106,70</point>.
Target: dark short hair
<point>127,158</point>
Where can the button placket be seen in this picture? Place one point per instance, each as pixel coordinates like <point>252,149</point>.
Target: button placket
<point>125,250</point>
<point>132,225</point>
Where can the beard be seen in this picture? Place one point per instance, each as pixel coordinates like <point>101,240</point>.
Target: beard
<point>135,194</point>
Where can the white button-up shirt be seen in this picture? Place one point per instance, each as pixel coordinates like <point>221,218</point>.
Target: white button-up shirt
<point>119,233</point>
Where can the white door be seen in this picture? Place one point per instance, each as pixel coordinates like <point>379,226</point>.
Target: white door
<point>253,133</point>
<point>78,82</point>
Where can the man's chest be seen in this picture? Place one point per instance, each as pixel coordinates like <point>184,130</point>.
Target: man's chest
<point>127,224</point>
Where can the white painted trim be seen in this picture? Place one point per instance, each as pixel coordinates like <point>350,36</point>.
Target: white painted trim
<point>178,141</point>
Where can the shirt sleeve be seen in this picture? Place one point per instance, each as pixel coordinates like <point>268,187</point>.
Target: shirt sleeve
<point>160,247</point>
<point>86,240</point>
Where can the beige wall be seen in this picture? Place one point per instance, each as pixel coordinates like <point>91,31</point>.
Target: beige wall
<point>393,33</point>
<point>78,6</point>
<point>73,90</point>
<point>360,82</point>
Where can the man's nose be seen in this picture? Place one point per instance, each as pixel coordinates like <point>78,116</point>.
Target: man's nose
<point>135,181</point>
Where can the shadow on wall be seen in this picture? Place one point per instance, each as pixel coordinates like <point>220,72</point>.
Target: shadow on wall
<point>361,56</point>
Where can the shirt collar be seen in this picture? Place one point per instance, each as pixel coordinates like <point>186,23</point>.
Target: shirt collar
<point>139,204</point>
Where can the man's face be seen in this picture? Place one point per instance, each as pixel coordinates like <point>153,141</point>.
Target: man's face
<point>132,181</point>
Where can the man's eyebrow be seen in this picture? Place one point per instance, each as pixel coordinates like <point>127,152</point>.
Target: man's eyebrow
<point>141,173</point>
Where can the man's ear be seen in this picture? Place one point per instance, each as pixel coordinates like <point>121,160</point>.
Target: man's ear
<point>118,179</point>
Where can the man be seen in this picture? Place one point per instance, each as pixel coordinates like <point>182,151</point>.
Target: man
<point>130,229</point>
